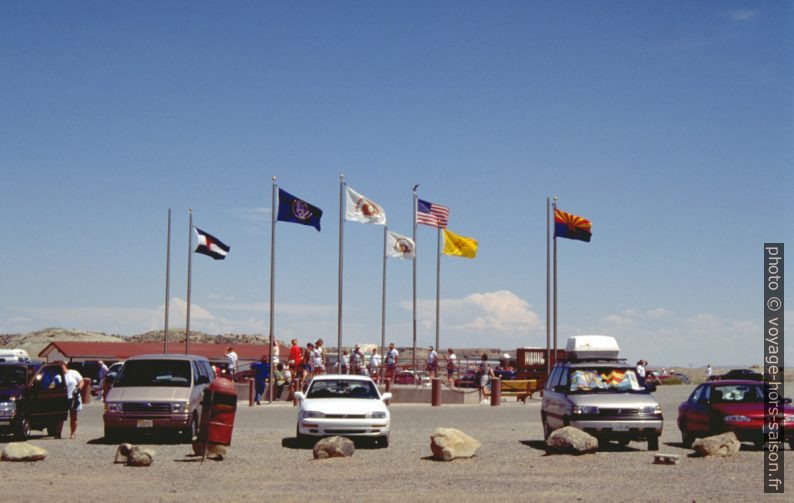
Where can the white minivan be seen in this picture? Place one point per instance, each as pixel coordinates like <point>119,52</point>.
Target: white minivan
<point>160,392</point>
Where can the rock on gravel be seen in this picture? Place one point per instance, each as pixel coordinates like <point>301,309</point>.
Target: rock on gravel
<point>334,447</point>
<point>140,456</point>
<point>23,451</point>
<point>570,440</point>
<point>123,453</point>
<point>450,443</point>
<point>722,445</point>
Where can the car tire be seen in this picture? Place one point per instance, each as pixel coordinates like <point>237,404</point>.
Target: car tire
<point>192,431</point>
<point>546,427</point>
<point>653,442</point>
<point>791,444</point>
<point>624,442</point>
<point>301,439</point>
<point>383,441</point>
<point>23,429</point>
<point>687,438</point>
<point>111,434</point>
<point>759,444</point>
<point>54,429</point>
<point>603,443</point>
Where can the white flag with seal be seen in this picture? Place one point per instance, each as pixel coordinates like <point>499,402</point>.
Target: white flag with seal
<point>400,246</point>
<point>361,209</point>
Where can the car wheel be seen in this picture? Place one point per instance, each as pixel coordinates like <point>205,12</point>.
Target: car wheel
<point>687,437</point>
<point>624,442</point>
<point>23,429</point>
<point>301,439</point>
<point>759,444</point>
<point>54,429</point>
<point>653,442</point>
<point>546,428</point>
<point>192,432</point>
<point>383,441</point>
<point>603,443</point>
<point>791,444</point>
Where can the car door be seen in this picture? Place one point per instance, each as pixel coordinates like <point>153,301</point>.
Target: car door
<point>554,400</point>
<point>46,393</point>
<point>698,418</point>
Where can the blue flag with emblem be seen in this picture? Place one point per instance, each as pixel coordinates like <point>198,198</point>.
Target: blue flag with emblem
<point>297,211</point>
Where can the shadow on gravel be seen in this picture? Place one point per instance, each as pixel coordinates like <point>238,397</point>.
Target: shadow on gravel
<point>138,439</point>
<point>193,458</point>
<point>294,443</point>
<point>539,445</point>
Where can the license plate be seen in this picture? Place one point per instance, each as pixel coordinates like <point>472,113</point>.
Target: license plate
<point>621,427</point>
<point>145,423</point>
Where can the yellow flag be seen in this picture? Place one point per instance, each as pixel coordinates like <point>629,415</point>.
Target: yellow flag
<point>459,246</point>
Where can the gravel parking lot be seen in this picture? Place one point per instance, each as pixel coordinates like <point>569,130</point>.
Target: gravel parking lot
<point>264,464</point>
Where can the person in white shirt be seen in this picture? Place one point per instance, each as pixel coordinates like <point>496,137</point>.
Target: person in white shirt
<point>231,361</point>
<point>318,358</point>
<point>374,365</point>
<point>275,353</point>
<point>74,386</point>
<point>432,362</point>
<point>708,372</point>
<point>452,364</point>
<point>391,361</point>
<point>102,374</point>
<point>356,360</point>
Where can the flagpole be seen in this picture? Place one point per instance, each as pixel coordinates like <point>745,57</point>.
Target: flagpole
<point>416,255</point>
<point>341,256</point>
<point>383,301</point>
<point>548,292</point>
<point>272,285</point>
<point>167,281</point>
<point>554,205</point>
<point>189,271</point>
<point>438,282</point>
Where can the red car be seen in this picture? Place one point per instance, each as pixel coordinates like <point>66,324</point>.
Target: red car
<point>735,405</point>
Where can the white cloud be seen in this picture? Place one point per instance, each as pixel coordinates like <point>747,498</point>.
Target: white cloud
<point>480,317</point>
<point>741,15</point>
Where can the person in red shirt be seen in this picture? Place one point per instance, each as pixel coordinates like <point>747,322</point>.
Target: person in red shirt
<point>295,353</point>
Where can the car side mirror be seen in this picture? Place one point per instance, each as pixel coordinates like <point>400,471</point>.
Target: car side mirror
<point>560,388</point>
<point>649,386</point>
<point>385,396</point>
<point>299,395</point>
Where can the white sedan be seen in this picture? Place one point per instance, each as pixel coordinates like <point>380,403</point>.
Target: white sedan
<point>346,405</point>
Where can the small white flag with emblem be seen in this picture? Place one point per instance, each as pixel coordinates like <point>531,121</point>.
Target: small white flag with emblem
<point>400,246</point>
<point>361,209</point>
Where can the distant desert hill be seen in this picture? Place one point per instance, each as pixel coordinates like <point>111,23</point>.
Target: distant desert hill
<point>34,342</point>
<point>178,335</point>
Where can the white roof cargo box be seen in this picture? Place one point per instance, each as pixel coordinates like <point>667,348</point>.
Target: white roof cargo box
<point>581,347</point>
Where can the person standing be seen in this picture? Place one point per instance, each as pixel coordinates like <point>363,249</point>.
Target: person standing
<point>319,357</point>
<point>281,381</point>
<point>345,362</point>
<point>432,362</point>
<point>261,373</point>
<point>295,353</point>
<point>101,375</point>
<point>391,361</point>
<point>231,362</point>
<point>484,373</point>
<point>374,365</point>
<point>74,386</point>
<point>308,360</point>
<point>708,372</point>
<point>641,371</point>
<point>356,360</point>
<point>451,365</point>
<point>274,351</point>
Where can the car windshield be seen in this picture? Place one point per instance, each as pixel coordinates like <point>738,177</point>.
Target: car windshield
<point>342,388</point>
<point>728,393</point>
<point>154,373</point>
<point>599,379</point>
<point>11,375</point>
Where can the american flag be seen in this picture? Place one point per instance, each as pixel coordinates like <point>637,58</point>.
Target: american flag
<point>432,214</point>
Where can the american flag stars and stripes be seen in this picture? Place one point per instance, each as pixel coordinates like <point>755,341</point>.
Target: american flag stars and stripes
<point>434,215</point>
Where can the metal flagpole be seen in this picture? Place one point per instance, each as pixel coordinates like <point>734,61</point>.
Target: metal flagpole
<point>416,255</point>
<point>554,206</point>
<point>272,286</point>
<point>383,303</point>
<point>167,281</point>
<point>341,256</point>
<point>438,282</point>
<point>189,271</point>
<point>548,293</point>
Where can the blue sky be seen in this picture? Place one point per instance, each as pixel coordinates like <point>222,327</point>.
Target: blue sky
<point>668,124</point>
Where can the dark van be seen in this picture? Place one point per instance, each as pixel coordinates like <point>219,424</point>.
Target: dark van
<point>32,398</point>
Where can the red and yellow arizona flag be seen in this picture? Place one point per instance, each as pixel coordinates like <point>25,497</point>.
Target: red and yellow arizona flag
<point>567,225</point>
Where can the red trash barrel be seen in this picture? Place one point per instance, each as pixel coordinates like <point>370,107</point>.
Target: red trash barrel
<point>496,392</point>
<point>220,406</point>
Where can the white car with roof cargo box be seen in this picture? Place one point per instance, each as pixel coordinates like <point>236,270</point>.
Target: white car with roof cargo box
<point>598,393</point>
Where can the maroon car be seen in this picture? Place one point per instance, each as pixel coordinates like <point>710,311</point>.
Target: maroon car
<point>735,405</point>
